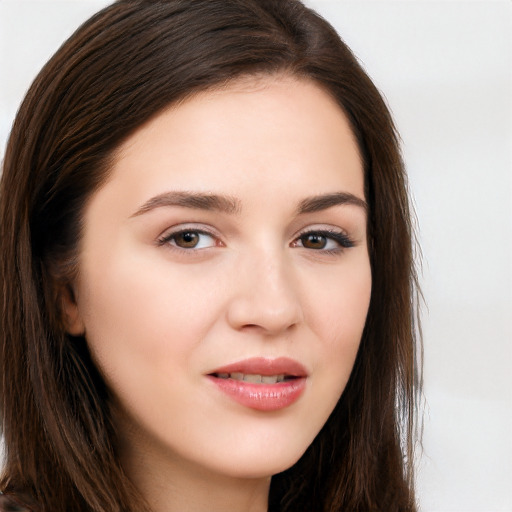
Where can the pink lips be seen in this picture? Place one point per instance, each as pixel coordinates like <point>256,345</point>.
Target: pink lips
<point>262,396</point>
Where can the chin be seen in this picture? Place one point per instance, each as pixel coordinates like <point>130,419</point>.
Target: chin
<point>262,464</point>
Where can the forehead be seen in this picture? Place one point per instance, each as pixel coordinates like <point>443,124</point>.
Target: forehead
<point>251,135</point>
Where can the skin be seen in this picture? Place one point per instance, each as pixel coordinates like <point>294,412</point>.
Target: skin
<point>158,317</point>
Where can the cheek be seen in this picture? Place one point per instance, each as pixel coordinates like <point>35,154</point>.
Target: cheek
<point>338,317</point>
<point>141,316</point>
<point>339,301</point>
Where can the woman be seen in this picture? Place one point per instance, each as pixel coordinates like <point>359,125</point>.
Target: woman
<point>207,272</point>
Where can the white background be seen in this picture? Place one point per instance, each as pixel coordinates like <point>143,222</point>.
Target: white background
<point>445,69</point>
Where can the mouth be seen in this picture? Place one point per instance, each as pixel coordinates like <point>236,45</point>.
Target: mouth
<point>258,368</point>
<point>261,384</point>
<point>254,378</point>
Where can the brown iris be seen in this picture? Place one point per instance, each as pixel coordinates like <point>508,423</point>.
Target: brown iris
<point>314,241</point>
<point>186,239</point>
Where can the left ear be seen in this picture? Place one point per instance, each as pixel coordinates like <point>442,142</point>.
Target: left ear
<point>70,314</point>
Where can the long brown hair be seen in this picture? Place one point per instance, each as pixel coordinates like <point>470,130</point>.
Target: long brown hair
<point>119,69</point>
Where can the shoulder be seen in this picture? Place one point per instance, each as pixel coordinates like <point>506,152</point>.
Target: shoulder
<point>11,503</point>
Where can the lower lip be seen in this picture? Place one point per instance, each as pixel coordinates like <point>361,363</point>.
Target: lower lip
<point>262,397</point>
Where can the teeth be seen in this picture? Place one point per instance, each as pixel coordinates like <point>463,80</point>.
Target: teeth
<point>252,378</point>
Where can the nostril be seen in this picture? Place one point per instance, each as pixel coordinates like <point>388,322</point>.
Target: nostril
<point>251,326</point>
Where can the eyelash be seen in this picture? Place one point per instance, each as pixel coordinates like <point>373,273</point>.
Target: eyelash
<point>341,239</point>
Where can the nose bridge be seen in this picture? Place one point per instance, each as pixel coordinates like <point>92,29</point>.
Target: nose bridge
<point>266,296</point>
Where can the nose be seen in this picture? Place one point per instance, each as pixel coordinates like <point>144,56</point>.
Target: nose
<point>265,298</point>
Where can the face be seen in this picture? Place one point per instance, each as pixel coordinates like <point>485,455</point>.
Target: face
<point>224,277</point>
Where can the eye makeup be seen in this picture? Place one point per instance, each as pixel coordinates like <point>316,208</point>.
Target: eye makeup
<point>328,241</point>
<point>189,239</point>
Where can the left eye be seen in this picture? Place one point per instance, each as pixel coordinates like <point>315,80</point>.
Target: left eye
<point>324,240</point>
<point>190,239</point>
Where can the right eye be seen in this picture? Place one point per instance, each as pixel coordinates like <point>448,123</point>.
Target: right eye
<point>188,239</point>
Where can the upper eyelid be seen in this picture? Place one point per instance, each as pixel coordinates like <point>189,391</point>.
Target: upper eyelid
<point>332,234</point>
<point>181,227</point>
<point>319,228</point>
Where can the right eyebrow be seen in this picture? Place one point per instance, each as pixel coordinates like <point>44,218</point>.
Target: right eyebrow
<point>194,200</point>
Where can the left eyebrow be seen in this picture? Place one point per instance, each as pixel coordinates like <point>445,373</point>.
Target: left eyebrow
<point>325,201</point>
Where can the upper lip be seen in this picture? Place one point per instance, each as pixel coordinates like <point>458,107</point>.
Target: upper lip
<point>264,366</point>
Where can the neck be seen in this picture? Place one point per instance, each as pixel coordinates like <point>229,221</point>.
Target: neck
<point>204,494</point>
<point>171,484</point>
